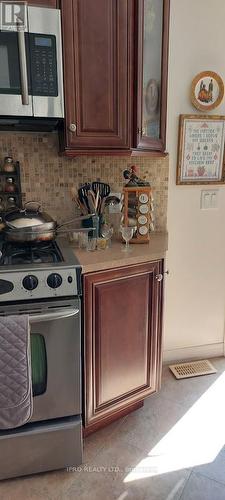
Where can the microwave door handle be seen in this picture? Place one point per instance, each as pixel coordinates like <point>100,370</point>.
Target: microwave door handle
<point>23,67</point>
<point>51,316</point>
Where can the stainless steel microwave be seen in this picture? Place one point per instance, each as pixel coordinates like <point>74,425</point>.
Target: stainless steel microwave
<point>31,74</point>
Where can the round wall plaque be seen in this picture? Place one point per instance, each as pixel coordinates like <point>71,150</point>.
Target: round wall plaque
<point>207,91</point>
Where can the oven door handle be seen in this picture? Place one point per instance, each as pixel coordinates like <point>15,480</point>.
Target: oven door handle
<point>52,316</point>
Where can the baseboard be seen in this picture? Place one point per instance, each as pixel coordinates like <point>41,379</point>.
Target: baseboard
<point>193,352</point>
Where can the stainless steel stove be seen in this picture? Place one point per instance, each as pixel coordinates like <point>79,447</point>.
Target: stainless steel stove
<point>37,271</point>
<point>43,280</point>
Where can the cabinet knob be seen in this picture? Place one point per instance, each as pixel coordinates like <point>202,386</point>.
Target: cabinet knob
<point>159,277</point>
<point>142,131</point>
<point>72,127</point>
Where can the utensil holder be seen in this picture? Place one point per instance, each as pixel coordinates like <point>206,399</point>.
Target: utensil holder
<point>93,221</point>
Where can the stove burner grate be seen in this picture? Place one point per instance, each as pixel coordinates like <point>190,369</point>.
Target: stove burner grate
<point>30,253</point>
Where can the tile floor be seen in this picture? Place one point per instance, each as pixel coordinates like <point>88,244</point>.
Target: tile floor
<point>173,448</point>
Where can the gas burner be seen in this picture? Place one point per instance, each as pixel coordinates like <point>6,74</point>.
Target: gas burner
<point>30,253</point>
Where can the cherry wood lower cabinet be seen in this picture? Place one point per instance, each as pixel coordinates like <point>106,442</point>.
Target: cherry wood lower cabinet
<point>122,340</point>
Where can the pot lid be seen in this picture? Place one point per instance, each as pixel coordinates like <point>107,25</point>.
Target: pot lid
<point>27,218</point>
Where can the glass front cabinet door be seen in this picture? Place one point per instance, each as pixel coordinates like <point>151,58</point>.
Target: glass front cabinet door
<point>152,68</point>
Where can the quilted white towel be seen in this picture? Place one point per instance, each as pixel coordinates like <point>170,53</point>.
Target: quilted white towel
<point>16,400</point>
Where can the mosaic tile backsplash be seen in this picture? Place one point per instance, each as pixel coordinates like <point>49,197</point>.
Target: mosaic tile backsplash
<point>48,178</point>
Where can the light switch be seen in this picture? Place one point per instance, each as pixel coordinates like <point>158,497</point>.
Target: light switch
<point>209,199</point>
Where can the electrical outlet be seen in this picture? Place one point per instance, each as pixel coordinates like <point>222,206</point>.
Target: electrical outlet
<point>209,199</point>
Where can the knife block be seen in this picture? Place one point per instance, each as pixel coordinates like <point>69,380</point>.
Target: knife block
<point>137,211</point>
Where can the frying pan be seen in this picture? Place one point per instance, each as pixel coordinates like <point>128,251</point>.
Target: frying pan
<point>33,225</point>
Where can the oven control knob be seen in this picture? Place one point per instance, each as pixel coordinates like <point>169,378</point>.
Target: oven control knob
<point>30,282</point>
<point>54,280</point>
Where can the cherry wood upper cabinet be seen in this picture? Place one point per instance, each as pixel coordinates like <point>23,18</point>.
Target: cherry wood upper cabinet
<point>122,340</point>
<point>97,40</point>
<point>115,76</point>
<point>151,74</point>
<point>44,3</point>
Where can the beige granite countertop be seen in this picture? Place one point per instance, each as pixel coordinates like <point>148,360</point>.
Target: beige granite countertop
<point>113,257</point>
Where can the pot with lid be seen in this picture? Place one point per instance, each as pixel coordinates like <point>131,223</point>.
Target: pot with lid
<point>32,225</point>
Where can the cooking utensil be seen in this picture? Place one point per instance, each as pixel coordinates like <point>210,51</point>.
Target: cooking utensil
<point>82,207</point>
<point>97,204</point>
<point>91,201</point>
<point>82,194</point>
<point>95,199</point>
<point>78,203</point>
<point>104,189</point>
<point>30,237</point>
<point>29,225</point>
<point>74,194</point>
<point>83,190</point>
<point>102,206</point>
<point>112,200</point>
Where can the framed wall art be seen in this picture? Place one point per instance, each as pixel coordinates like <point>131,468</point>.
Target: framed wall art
<point>207,91</point>
<point>201,149</point>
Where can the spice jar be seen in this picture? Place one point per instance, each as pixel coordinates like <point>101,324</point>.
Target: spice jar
<point>2,208</point>
<point>2,225</point>
<point>11,201</point>
<point>8,165</point>
<point>10,185</point>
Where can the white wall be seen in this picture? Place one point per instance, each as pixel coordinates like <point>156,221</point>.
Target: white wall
<point>195,289</point>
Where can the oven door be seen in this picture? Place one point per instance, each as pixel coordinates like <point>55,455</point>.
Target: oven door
<point>56,363</point>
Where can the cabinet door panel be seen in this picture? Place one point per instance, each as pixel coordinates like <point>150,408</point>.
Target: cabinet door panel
<point>97,72</point>
<point>152,66</point>
<point>121,327</point>
<point>122,338</point>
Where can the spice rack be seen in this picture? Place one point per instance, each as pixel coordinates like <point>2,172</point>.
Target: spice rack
<point>10,199</point>
<point>137,212</point>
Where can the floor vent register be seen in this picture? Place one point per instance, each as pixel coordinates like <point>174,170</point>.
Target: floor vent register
<point>192,369</point>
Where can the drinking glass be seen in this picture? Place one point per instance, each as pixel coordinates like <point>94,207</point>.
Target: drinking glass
<point>107,232</point>
<point>83,240</point>
<point>127,233</point>
<point>91,244</point>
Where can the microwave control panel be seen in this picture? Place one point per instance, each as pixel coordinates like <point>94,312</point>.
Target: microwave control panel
<point>43,65</point>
